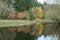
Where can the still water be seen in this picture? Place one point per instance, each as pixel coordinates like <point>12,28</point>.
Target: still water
<point>51,32</point>
<point>48,37</point>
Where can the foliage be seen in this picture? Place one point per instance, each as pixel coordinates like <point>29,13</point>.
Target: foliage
<point>23,15</point>
<point>40,12</point>
<point>22,5</point>
<point>10,6</point>
<point>3,9</point>
<point>40,5</point>
<point>11,16</point>
<point>40,28</point>
<point>32,17</point>
<point>56,1</point>
<point>52,12</point>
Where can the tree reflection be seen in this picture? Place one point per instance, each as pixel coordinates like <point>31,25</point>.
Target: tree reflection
<point>24,36</point>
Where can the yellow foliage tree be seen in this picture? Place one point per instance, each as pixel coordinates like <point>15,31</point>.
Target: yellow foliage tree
<point>40,12</point>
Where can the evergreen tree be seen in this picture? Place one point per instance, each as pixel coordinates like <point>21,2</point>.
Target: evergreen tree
<point>22,5</point>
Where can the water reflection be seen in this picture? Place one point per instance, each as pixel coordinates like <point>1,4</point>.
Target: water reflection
<point>48,37</point>
<point>50,32</point>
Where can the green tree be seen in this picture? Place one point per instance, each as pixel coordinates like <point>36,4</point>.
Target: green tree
<point>32,17</point>
<point>22,5</point>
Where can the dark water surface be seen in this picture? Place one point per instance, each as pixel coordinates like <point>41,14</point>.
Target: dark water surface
<point>49,37</point>
<point>51,32</point>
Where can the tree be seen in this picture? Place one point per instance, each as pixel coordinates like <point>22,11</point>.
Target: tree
<point>5,7</point>
<point>56,1</point>
<point>53,12</point>
<point>45,3</point>
<point>22,5</point>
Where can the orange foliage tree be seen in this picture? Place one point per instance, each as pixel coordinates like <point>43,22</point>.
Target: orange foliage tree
<point>23,15</point>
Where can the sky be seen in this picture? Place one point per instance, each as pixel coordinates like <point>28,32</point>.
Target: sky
<point>48,1</point>
<point>41,1</point>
